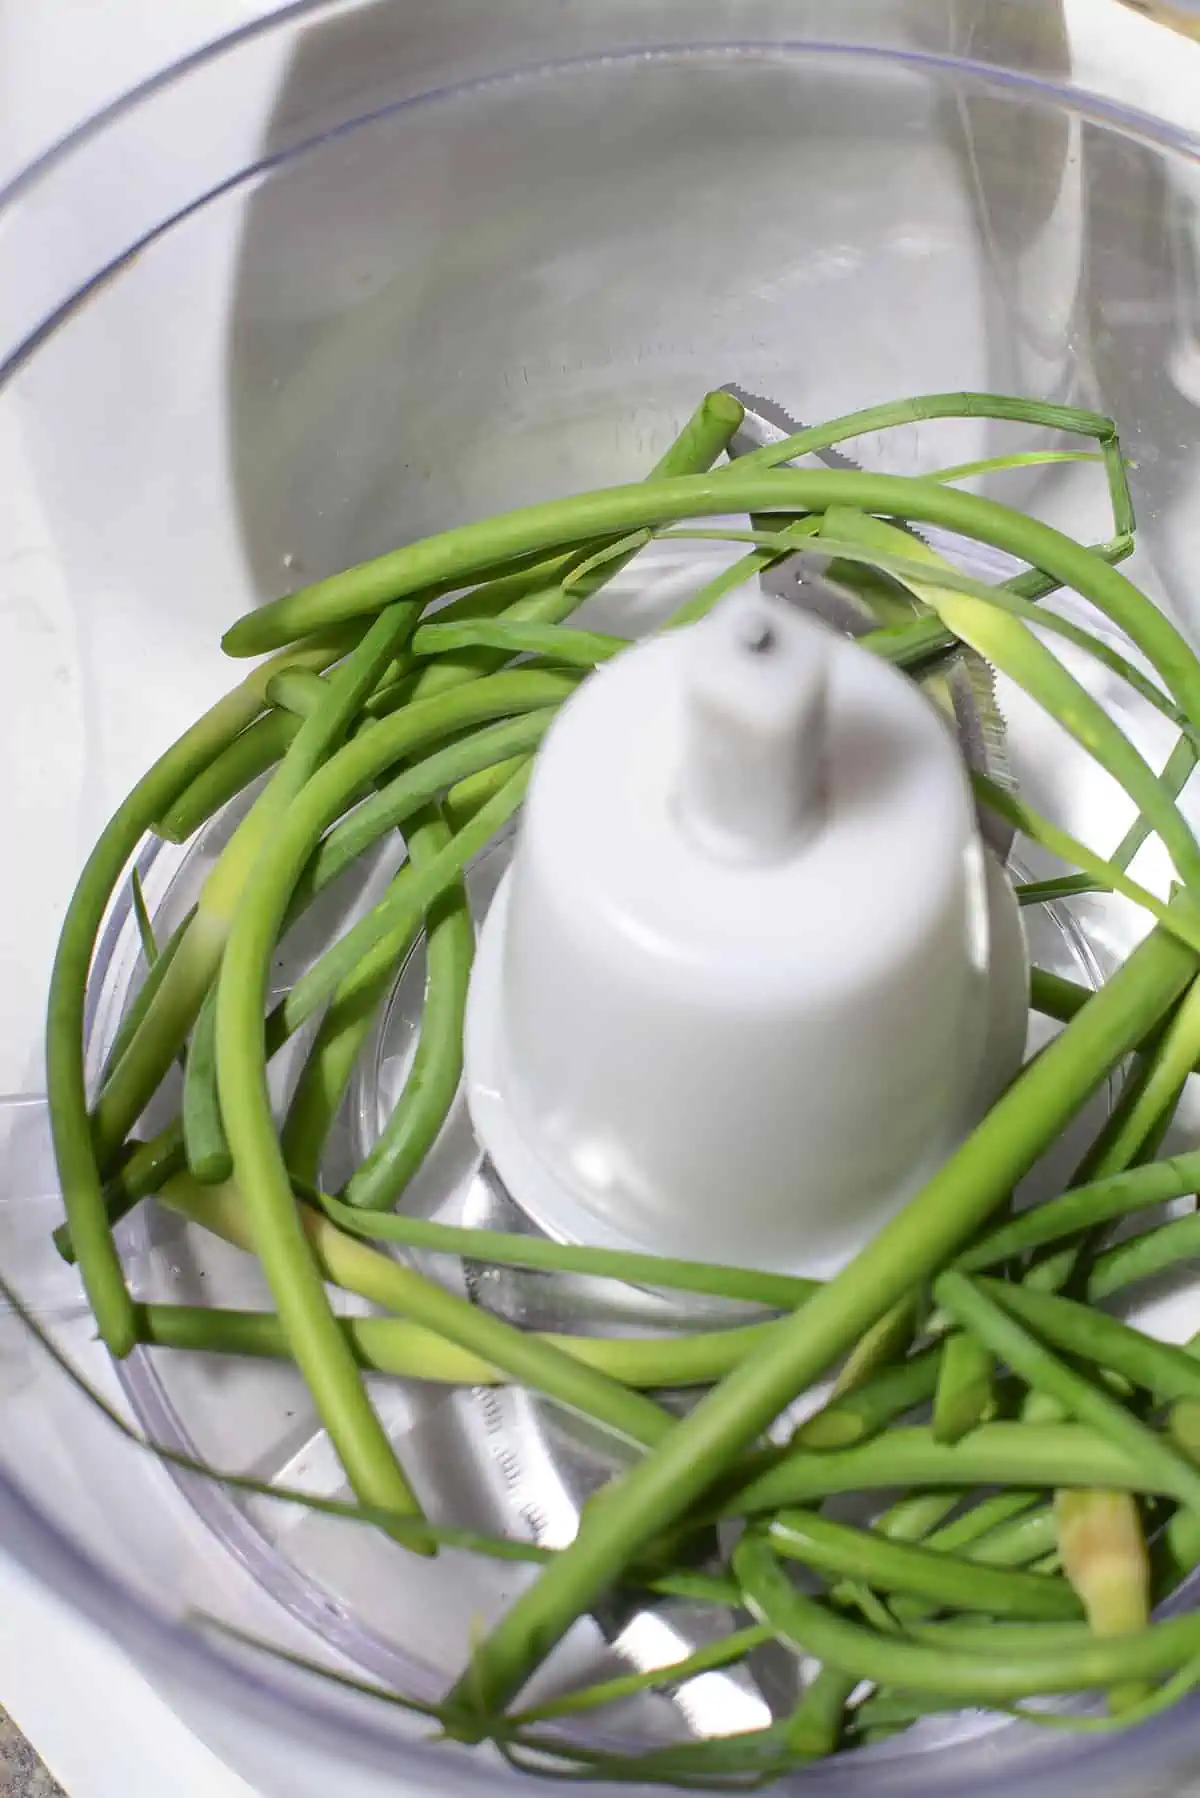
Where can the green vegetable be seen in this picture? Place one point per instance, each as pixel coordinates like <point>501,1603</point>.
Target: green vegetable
<point>1143,1256</point>
<point>177,1001</point>
<point>394,1346</point>
<point>1180,918</point>
<point>1008,1454</point>
<point>1099,1202</point>
<point>1104,1556</point>
<point>455,555</point>
<point>936,1574</point>
<point>344,1029</point>
<point>1064,1667</point>
<point>145,928</point>
<point>1007,1530</point>
<point>744,569</point>
<point>80,1169</point>
<point>423,1105</point>
<point>886,1341</point>
<point>869,1407</point>
<point>976,1311</point>
<point>993,1534</point>
<point>1150,1097</point>
<point>924,639</point>
<point>149,1164</point>
<point>734,1647</point>
<point>965,405</point>
<point>552,588</point>
<point>297,690</point>
<point>815,1726</point>
<point>707,433</point>
<point>405,718</point>
<point>396,801</point>
<point>580,649</point>
<point>1081,1331</point>
<point>155,974</point>
<point>1179,768</point>
<point>362,955</point>
<point>976,1635</point>
<point>963,471</point>
<point>964,1397</point>
<point>467,797</point>
<point>357,1268</point>
<point>203,1132</point>
<point>1010,646</point>
<point>229,773</point>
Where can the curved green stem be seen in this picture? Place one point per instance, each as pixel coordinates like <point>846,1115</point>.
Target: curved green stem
<point>998,1329</point>
<point>177,1001</point>
<point>965,1388</point>
<point>227,1211</point>
<point>250,754</point>
<point>361,957</point>
<point>924,639</point>
<point>556,642</point>
<point>432,1081</point>
<point>916,1666</point>
<point>1099,1202</point>
<point>330,1062</point>
<point>155,975</point>
<point>1181,918</point>
<point>1141,1257</point>
<point>566,581</point>
<point>203,1131</point>
<point>540,1254</point>
<point>871,1406</point>
<point>151,1163</point>
<point>413,787</point>
<point>930,1573</point>
<point>454,555</point>
<point>1080,1330</point>
<point>993,626</point>
<point>995,1454</point>
<point>392,1345</point>
<point>723,1653</point>
<point>384,931</point>
<point>79,1161</point>
<point>140,1171</point>
<point>1149,1095</point>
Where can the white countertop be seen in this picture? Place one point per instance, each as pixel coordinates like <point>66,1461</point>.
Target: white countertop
<point>91,1716</point>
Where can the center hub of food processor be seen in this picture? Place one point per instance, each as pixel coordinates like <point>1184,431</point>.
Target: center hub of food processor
<point>750,976</point>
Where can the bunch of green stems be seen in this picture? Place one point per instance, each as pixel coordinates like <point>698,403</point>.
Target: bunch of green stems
<point>386,706</point>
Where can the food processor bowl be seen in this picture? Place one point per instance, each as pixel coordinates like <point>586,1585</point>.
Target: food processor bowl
<point>362,271</point>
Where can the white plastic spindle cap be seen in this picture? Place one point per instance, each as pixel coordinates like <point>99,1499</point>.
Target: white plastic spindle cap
<point>733,999</point>
<point>751,774</point>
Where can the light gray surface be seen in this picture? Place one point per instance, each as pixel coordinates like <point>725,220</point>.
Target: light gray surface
<point>22,1774</point>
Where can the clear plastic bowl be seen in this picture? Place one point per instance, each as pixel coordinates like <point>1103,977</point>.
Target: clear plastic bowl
<point>364,271</point>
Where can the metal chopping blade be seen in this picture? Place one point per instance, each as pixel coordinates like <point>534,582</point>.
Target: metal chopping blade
<point>766,424</point>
